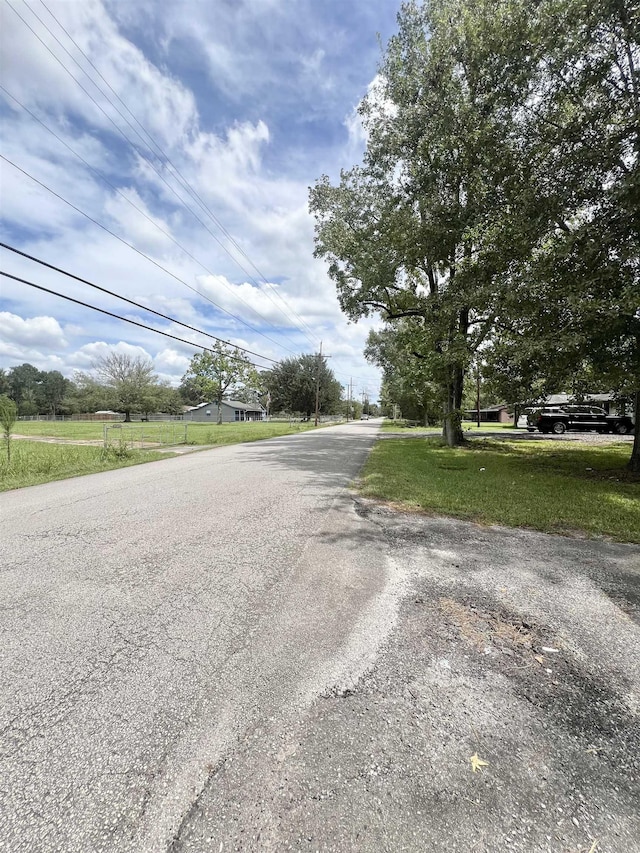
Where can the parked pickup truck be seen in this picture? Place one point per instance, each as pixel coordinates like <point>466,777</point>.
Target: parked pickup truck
<point>559,419</point>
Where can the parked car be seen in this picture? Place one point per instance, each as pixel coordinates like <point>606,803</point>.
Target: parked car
<point>559,419</point>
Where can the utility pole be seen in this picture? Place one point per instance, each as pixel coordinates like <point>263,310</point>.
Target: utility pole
<point>318,383</point>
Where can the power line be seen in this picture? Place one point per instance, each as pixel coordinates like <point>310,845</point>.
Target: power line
<point>184,182</point>
<point>124,319</point>
<point>123,196</point>
<point>128,141</point>
<point>130,301</point>
<point>143,254</point>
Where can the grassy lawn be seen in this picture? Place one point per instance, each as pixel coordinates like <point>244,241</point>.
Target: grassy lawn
<point>556,487</point>
<point>241,432</point>
<point>33,462</point>
<point>196,433</point>
<point>467,426</point>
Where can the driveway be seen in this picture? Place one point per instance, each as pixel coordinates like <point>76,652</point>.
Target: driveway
<point>231,651</point>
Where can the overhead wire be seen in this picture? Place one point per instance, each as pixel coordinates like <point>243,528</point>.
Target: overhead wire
<point>130,301</point>
<point>184,182</point>
<point>135,148</point>
<point>142,254</point>
<point>131,203</point>
<point>120,317</point>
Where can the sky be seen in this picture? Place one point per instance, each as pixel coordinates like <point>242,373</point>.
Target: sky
<point>164,152</point>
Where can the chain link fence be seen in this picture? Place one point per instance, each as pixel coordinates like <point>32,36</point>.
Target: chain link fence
<point>137,436</point>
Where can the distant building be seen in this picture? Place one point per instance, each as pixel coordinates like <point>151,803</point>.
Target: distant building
<point>491,415</point>
<point>232,411</point>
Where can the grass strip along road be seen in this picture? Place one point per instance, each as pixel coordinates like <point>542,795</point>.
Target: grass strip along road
<point>551,486</point>
<point>33,462</point>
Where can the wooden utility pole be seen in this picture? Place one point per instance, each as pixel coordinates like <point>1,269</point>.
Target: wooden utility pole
<point>318,383</point>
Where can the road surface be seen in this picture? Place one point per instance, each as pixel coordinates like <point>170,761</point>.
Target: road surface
<point>153,616</point>
<point>229,651</point>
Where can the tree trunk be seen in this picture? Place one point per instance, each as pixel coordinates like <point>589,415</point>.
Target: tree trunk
<point>219,402</point>
<point>634,462</point>
<point>127,417</point>
<point>452,430</point>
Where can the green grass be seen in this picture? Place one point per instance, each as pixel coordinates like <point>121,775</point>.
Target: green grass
<point>34,462</point>
<point>467,426</point>
<point>61,429</point>
<point>241,432</point>
<point>555,487</point>
<point>196,433</point>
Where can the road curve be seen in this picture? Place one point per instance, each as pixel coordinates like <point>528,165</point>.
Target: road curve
<point>155,616</point>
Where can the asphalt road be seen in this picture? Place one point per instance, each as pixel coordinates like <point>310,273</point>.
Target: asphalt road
<point>153,616</point>
<point>228,651</point>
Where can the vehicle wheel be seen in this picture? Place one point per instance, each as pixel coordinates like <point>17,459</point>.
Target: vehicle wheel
<point>559,427</point>
<point>622,429</point>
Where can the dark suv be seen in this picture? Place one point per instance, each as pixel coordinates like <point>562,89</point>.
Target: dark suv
<point>559,419</point>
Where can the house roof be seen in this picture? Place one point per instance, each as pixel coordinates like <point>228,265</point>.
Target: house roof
<point>497,408</point>
<point>233,404</point>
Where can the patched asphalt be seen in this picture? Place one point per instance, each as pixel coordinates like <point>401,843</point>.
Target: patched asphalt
<point>232,651</point>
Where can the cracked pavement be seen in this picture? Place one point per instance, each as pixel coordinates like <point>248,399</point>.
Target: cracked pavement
<point>229,651</point>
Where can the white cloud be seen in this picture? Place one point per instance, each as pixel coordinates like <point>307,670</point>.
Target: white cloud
<point>171,363</point>
<point>85,358</point>
<point>43,332</point>
<point>227,156</point>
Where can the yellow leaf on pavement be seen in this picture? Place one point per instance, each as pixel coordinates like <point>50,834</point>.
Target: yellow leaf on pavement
<point>477,763</point>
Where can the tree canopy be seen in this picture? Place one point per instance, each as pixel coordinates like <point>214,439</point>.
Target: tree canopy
<point>129,381</point>
<point>223,369</point>
<point>292,385</point>
<point>497,202</point>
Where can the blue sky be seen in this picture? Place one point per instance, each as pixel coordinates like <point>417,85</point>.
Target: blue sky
<point>251,102</point>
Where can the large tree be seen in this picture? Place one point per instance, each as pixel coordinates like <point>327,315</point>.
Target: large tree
<point>498,197</point>
<point>223,369</point>
<point>24,388</point>
<point>54,388</point>
<point>572,313</point>
<point>127,379</point>
<point>292,384</point>
<point>419,231</point>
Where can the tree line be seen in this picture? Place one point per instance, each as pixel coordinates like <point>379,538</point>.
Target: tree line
<point>495,218</point>
<point>122,383</point>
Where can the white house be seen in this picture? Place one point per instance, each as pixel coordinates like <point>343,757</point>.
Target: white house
<point>232,411</point>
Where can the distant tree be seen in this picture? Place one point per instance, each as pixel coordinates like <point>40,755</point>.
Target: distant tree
<point>161,397</point>
<point>5,384</point>
<point>24,388</point>
<point>170,400</point>
<point>8,415</point>
<point>190,393</point>
<point>408,378</point>
<point>292,386</point>
<point>89,395</point>
<point>223,369</point>
<point>53,389</point>
<point>128,379</point>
